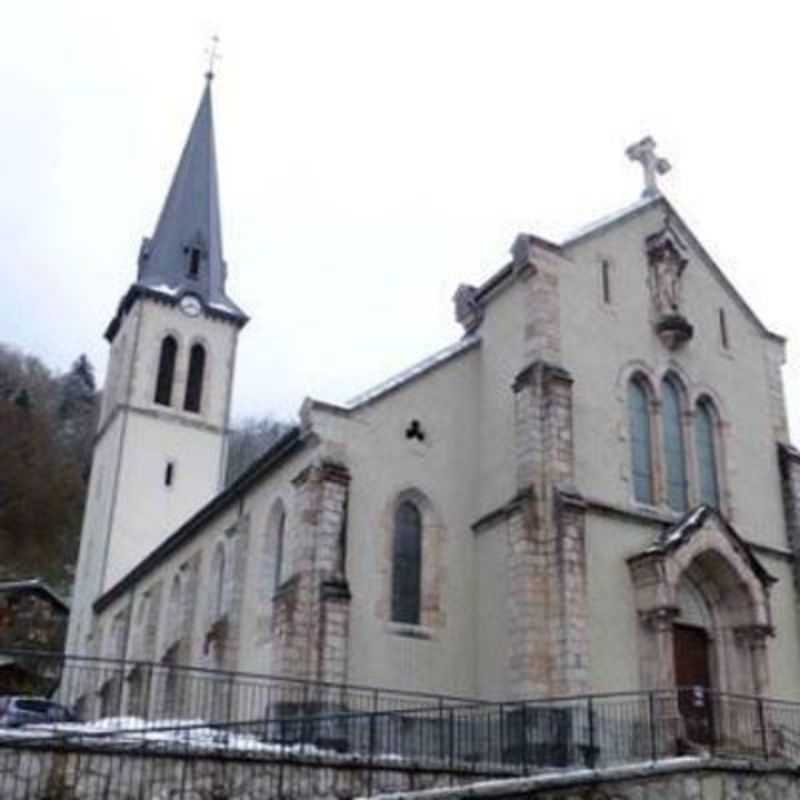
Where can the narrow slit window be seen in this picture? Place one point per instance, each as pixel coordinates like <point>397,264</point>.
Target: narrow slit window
<point>723,330</point>
<point>166,371</point>
<point>194,384</point>
<point>169,473</point>
<point>605,270</point>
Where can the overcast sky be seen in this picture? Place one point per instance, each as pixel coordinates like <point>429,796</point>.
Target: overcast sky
<point>373,155</point>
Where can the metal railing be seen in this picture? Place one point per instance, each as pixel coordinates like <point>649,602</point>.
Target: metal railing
<point>99,688</point>
<point>363,739</point>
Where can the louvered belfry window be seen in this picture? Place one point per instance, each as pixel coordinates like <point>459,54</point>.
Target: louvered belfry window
<point>166,371</point>
<point>194,384</point>
<point>407,564</point>
<point>641,441</point>
<point>706,453</point>
<point>674,449</point>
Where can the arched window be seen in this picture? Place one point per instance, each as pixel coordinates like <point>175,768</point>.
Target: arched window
<point>218,583</point>
<point>280,528</point>
<point>674,450</point>
<point>706,453</point>
<point>641,441</point>
<point>166,371</point>
<point>194,384</point>
<point>174,611</point>
<point>407,564</point>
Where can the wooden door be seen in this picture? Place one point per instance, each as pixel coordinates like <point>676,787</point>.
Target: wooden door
<point>693,680</point>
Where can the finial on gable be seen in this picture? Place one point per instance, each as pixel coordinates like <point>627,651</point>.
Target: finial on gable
<point>213,55</point>
<point>644,152</point>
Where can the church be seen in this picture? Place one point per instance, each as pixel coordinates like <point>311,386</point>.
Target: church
<point>591,490</point>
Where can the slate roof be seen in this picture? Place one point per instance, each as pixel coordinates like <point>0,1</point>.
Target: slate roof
<point>416,370</point>
<point>190,218</point>
<point>287,445</point>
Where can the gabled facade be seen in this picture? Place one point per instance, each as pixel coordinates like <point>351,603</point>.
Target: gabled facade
<point>595,477</point>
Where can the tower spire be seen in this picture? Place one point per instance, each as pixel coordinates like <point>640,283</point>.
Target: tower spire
<point>184,255</point>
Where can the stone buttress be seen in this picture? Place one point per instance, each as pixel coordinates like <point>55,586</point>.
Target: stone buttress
<point>546,519</point>
<point>312,607</point>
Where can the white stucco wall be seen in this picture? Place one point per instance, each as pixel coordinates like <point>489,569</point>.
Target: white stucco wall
<point>383,463</point>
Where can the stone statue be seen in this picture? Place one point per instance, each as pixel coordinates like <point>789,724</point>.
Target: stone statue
<point>667,263</point>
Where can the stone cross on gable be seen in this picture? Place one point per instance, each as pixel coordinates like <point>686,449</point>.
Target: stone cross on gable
<point>645,153</point>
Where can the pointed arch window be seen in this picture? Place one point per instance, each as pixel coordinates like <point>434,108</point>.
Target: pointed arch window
<point>194,383</point>
<point>641,440</point>
<point>218,584</point>
<point>174,611</point>
<point>407,564</point>
<point>166,371</point>
<point>280,529</point>
<point>705,442</point>
<point>674,448</point>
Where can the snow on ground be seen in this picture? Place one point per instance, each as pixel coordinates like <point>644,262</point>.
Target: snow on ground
<point>186,733</point>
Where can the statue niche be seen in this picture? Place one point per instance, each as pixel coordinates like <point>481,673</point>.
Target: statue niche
<point>667,263</point>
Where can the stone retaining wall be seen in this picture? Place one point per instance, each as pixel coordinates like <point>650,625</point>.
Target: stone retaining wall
<point>675,779</point>
<point>78,773</point>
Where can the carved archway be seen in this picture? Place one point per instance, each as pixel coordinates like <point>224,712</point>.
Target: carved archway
<point>703,574</point>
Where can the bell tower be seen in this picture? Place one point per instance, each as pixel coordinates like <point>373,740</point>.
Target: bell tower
<point>160,445</point>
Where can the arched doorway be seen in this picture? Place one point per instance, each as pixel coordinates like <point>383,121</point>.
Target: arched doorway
<point>703,604</point>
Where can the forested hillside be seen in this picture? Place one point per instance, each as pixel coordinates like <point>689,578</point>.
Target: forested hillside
<point>46,427</point>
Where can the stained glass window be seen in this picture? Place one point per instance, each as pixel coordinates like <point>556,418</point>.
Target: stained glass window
<point>706,454</point>
<point>407,564</point>
<point>641,441</point>
<point>674,450</point>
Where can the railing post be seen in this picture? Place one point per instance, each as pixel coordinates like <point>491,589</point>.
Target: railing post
<point>651,702</point>
<point>524,738</point>
<point>372,720</point>
<point>763,721</point>
<point>590,753</point>
<point>229,704</point>
<point>441,730</point>
<point>451,740</point>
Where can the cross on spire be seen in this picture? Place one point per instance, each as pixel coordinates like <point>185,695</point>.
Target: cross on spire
<point>213,55</point>
<point>645,153</point>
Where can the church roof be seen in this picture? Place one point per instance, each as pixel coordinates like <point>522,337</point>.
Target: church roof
<point>184,254</point>
<point>411,373</point>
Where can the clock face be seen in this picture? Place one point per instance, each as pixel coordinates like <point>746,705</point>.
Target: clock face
<point>190,305</point>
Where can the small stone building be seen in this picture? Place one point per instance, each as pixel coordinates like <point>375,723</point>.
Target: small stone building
<point>591,489</point>
<point>32,617</point>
